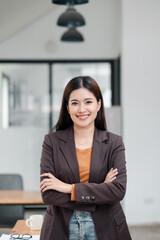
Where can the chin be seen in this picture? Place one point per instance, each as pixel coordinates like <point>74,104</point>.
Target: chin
<point>83,125</point>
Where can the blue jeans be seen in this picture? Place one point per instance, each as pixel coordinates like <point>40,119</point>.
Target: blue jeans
<point>81,226</point>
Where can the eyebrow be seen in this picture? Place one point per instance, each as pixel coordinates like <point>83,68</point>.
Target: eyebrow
<point>72,100</point>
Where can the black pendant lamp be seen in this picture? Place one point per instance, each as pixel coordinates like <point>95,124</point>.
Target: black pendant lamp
<point>72,35</point>
<point>69,2</point>
<point>71,18</point>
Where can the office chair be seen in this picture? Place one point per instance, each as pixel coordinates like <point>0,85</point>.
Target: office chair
<point>10,214</point>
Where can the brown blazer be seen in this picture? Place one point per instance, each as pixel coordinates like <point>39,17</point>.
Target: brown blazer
<point>101,199</point>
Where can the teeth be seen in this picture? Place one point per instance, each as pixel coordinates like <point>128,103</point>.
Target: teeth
<point>83,116</point>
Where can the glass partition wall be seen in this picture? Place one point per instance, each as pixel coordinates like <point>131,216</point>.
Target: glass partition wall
<point>24,95</point>
<point>30,97</point>
<point>31,92</point>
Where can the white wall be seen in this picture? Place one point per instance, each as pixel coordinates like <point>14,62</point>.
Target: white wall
<point>20,151</point>
<point>141,107</point>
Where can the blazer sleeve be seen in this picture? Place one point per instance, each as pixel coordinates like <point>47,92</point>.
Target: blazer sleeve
<point>52,197</point>
<point>106,193</point>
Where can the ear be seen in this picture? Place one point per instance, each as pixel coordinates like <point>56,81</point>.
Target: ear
<point>99,105</point>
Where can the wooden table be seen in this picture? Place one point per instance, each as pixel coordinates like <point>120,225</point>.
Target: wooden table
<point>20,197</point>
<point>21,228</point>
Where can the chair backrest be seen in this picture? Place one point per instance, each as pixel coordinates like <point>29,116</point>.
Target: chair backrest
<point>11,182</point>
<point>10,214</point>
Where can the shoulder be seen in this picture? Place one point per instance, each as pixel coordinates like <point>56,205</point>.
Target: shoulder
<point>107,135</point>
<point>56,136</point>
<point>115,140</point>
<point>112,136</point>
<point>112,139</point>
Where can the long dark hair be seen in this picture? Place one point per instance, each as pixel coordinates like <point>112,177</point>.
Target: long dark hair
<point>64,120</point>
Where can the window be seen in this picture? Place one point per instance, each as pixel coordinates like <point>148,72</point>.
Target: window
<point>32,90</point>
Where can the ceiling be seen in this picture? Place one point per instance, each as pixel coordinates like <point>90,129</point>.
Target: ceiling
<point>22,22</point>
<point>18,14</point>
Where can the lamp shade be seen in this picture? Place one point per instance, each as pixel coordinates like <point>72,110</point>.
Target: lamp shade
<point>72,35</point>
<point>71,18</point>
<point>69,2</point>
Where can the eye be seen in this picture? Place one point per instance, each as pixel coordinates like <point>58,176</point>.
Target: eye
<point>74,103</point>
<point>88,102</point>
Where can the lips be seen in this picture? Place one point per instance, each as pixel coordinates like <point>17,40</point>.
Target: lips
<point>83,117</point>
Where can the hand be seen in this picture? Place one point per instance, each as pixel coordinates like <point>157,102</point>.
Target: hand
<point>111,176</point>
<point>53,183</point>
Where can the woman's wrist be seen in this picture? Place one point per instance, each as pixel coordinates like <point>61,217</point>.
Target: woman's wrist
<point>67,188</point>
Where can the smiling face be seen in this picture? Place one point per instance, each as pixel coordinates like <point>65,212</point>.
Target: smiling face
<point>83,107</point>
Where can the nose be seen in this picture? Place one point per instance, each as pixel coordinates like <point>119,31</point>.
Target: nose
<point>81,108</point>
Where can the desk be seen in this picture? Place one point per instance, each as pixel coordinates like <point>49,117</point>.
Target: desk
<point>22,197</point>
<point>21,228</point>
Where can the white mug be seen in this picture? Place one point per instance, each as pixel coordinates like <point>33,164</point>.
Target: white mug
<point>35,222</point>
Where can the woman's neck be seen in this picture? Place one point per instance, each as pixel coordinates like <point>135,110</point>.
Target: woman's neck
<point>83,137</point>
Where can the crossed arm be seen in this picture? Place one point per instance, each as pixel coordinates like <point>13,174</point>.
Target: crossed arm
<point>58,193</point>
<point>50,182</point>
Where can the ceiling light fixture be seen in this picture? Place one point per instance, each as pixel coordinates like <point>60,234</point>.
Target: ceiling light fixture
<point>69,2</point>
<point>71,18</point>
<point>72,35</point>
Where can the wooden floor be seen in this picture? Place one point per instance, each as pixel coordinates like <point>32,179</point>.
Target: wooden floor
<point>146,232</point>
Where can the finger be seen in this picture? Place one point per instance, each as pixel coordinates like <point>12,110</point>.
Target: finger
<point>110,170</point>
<point>113,174</point>
<point>46,185</point>
<point>44,181</point>
<point>46,188</point>
<point>46,175</point>
<point>109,180</point>
<point>114,170</point>
<point>112,179</point>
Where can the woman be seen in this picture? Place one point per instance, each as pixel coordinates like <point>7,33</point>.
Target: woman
<point>83,173</point>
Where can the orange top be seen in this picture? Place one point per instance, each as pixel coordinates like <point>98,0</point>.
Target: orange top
<point>84,161</point>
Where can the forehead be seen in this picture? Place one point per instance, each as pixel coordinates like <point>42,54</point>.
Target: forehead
<point>81,94</point>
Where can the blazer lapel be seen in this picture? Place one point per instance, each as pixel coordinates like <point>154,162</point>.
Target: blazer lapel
<point>98,154</point>
<point>67,146</point>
